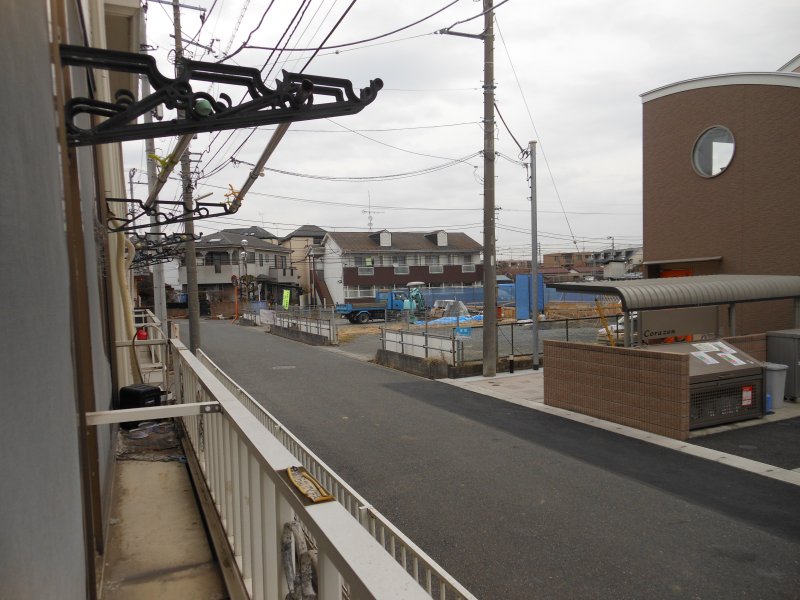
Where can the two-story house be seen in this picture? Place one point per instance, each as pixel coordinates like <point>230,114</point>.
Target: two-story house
<point>229,257</point>
<point>361,263</point>
<point>305,244</point>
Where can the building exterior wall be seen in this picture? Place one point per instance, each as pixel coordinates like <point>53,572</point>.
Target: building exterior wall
<point>747,214</point>
<point>42,554</point>
<point>562,259</point>
<point>332,264</point>
<point>299,247</point>
<point>385,276</point>
<point>644,390</point>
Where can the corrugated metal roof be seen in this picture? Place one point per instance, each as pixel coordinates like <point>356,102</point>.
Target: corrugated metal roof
<point>705,290</point>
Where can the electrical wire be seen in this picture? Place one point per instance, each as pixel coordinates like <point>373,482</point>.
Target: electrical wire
<point>389,177</point>
<point>530,116</point>
<point>390,145</point>
<point>495,7</point>
<point>372,39</point>
<point>499,114</point>
<point>327,37</point>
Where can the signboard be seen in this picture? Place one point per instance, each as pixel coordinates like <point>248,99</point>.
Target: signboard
<point>679,322</point>
<point>286,296</point>
<point>747,395</point>
<point>463,332</point>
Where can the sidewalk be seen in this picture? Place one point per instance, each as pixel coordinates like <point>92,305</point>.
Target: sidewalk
<point>526,388</point>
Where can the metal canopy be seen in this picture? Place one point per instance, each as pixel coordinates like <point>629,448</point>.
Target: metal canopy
<point>679,292</point>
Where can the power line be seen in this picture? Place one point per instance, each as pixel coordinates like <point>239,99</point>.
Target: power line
<point>327,37</point>
<point>389,145</point>
<point>530,116</point>
<point>372,39</point>
<point>379,177</point>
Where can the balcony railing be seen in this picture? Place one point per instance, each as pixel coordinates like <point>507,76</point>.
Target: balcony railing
<point>149,346</point>
<point>242,452</point>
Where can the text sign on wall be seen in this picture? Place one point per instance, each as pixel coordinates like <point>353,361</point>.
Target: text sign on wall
<point>677,322</point>
<point>286,296</point>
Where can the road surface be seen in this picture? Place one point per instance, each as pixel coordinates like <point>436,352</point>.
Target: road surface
<point>520,504</point>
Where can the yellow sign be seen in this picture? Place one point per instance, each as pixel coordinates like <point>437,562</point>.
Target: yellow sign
<point>286,295</point>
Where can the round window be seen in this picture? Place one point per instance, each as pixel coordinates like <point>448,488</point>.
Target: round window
<point>713,151</point>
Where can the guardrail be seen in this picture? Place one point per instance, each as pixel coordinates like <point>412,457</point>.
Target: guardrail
<point>462,342</point>
<point>322,323</point>
<point>429,575</point>
<point>267,524</point>
<point>422,345</point>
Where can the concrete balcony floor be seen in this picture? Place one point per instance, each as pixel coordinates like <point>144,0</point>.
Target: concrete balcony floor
<point>157,545</point>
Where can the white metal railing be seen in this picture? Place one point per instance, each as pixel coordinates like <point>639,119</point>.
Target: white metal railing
<point>153,349</point>
<point>320,323</point>
<point>428,574</point>
<point>264,519</point>
<point>422,345</point>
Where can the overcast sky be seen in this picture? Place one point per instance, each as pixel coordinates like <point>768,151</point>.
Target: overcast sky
<point>568,74</point>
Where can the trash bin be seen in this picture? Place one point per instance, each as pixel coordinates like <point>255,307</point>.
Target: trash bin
<point>775,383</point>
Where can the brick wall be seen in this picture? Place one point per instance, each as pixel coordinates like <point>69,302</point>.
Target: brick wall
<point>755,345</point>
<point>638,388</point>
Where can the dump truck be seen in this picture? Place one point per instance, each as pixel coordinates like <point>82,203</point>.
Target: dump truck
<point>363,310</point>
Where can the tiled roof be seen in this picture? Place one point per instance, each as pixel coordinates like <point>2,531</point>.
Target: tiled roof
<point>311,231</point>
<point>228,238</point>
<point>402,241</point>
<point>253,231</point>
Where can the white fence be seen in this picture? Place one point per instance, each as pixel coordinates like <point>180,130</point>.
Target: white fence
<point>422,345</point>
<point>266,522</point>
<point>323,324</point>
<point>432,578</point>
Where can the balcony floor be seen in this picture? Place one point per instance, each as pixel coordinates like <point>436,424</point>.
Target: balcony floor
<point>157,546</point>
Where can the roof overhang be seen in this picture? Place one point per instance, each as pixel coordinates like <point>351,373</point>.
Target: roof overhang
<point>778,79</point>
<point>673,261</point>
<point>683,292</point>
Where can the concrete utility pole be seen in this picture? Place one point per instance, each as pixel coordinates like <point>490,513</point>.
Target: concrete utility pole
<point>186,183</point>
<point>159,291</point>
<point>534,260</point>
<point>489,266</point>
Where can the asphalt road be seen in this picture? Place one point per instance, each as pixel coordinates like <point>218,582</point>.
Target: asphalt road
<point>519,504</point>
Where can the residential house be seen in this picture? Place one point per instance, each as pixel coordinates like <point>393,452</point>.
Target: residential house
<point>617,263</point>
<point>305,244</point>
<point>246,262</point>
<point>360,263</point>
<point>720,181</point>
<point>566,259</point>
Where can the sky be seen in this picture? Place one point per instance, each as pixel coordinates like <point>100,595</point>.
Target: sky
<point>568,75</point>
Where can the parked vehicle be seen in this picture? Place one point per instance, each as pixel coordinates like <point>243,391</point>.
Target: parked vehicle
<point>363,310</point>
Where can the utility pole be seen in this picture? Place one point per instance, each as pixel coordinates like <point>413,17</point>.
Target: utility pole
<point>534,260</point>
<point>186,184</point>
<point>159,292</point>
<point>489,266</point>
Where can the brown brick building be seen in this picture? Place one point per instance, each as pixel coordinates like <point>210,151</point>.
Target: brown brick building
<point>721,182</point>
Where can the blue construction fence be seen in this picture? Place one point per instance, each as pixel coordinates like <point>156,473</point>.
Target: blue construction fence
<point>516,294</point>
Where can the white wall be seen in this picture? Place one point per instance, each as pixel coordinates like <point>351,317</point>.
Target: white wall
<point>333,270</point>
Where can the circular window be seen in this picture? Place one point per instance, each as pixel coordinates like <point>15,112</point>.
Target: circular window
<point>713,151</point>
